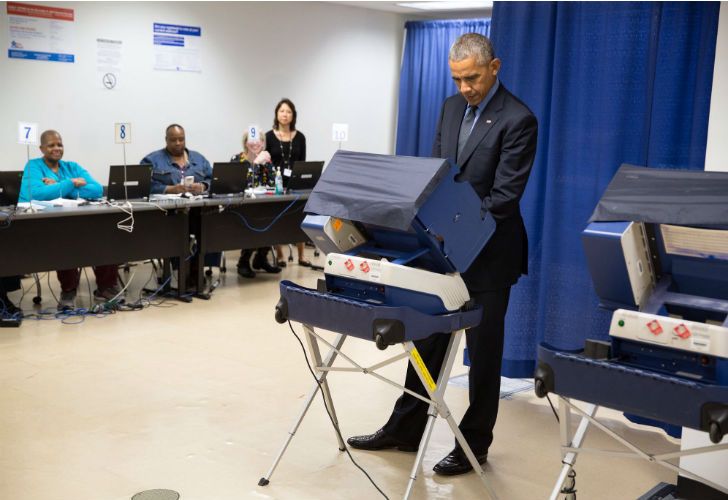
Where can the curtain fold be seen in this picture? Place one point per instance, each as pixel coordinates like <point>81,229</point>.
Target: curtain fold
<point>425,80</point>
<point>610,83</point>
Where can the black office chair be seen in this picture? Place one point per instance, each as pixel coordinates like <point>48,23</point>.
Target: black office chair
<point>223,266</point>
<point>38,297</point>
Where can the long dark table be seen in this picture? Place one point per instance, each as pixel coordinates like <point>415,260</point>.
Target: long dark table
<point>218,225</point>
<point>64,238</point>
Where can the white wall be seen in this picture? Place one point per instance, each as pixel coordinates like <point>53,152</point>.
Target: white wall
<point>716,153</point>
<point>337,64</point>
<point>713,465</point>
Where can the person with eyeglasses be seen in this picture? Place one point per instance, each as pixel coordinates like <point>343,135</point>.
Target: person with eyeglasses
<point>257,161</point>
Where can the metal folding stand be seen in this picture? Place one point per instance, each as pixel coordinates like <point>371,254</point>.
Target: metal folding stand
<point>571,446</point>
<point>435,390</point>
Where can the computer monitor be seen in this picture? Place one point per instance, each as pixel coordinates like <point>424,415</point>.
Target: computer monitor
<point>228,179</point>
<point>304,175</point>
<point>10,187</point>
<point>129,182</point>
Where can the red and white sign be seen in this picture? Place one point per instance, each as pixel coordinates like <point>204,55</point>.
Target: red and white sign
<point>40,32</point>
<point>42,11</point>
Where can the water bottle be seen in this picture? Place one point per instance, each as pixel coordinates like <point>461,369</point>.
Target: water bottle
<point>279,181</point>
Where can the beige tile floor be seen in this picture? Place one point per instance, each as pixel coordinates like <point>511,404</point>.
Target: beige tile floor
<point>198,398</point>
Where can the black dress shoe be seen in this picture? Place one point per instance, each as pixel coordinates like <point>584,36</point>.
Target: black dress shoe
<point>379,441</point>
<point>457,463</point>
<point>265,266</point>
<point>246,272</point>
<point>262,263</point>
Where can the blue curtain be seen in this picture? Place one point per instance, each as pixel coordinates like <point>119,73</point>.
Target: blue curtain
<point>425,79</point>
<point>610,82</point>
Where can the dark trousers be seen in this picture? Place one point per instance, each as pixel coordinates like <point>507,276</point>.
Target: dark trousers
<point>260,256</point>
<point>485,349</point>
<point>9,284</point>
<point>106,277</point>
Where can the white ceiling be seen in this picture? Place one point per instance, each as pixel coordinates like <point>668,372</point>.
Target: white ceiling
<point>445,13</point>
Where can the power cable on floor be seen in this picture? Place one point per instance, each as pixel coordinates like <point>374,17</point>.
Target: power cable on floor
<point>552,408</point>
<point>333,422</point>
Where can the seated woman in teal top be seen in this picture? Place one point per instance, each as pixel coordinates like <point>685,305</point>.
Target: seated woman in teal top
<point>48,178</point>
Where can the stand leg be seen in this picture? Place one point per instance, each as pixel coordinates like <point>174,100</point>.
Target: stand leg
<point>431,416</point>
<point>636,452</point>
<point>330,357</point>
<point>569,459</point>
<point>313,348</point>
<point>437,393</point>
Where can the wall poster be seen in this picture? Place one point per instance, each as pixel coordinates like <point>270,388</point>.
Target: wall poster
<point>40,32</point>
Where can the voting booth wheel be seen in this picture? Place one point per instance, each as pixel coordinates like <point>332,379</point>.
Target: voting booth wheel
<point>714,418</point>
<point>716,435</point>
<point>282,311</point>
<point>381,342</point>
<point>543,380</point>
<point>37,300</point>
<point>387,332</point>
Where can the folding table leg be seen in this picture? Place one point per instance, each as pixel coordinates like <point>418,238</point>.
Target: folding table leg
<point>330,357</point>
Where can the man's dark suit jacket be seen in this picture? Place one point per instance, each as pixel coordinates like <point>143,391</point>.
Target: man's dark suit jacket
<point>496,160</point>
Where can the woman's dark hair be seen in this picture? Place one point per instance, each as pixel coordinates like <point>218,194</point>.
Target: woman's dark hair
<point>290,104</point>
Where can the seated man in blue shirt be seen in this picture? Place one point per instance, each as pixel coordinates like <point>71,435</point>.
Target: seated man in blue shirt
<point>171,165</point>
<point>50,177</point>
<point>175,162</point>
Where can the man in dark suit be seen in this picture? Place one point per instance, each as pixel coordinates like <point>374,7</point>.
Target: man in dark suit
<point>491,135</point>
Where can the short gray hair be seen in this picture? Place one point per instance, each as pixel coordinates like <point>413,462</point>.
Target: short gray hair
<point>260,138</point>
<point>472,45</point>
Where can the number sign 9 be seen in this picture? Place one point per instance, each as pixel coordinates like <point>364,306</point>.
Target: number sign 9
<point>253,133</point>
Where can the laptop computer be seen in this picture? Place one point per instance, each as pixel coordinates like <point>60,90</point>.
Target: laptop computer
<point>304,175</point>
<point>10,187</point>
<point>228,179</point>
<point>137,186</point>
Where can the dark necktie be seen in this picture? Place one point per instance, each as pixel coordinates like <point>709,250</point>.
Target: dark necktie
<point>465,127</point>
